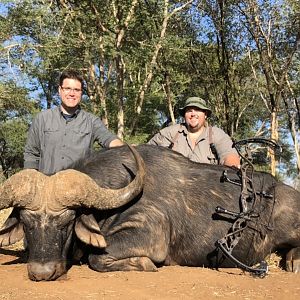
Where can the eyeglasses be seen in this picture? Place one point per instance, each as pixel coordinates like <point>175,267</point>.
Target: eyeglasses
<point>68,90</point>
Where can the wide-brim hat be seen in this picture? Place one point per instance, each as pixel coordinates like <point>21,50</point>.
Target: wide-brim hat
<point>197,102</point>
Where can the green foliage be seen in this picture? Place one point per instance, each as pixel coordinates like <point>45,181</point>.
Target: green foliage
<point>137,139</point>
<point>14,102</point>
<point>206,52</point>
<point>15,115</point>
<point>12,140</point>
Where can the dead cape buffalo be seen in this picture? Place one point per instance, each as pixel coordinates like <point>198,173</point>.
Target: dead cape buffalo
<point>138,214</point>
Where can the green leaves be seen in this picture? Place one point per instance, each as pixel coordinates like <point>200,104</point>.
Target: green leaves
<point>141,59</point>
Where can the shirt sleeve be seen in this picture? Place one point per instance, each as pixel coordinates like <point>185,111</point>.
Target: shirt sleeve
<point>223,143</point>
<point>102,135</point>
<point>32,150</point>
<point>162,138</point>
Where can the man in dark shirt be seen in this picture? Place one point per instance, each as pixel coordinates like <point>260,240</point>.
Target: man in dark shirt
<point>60,136</point>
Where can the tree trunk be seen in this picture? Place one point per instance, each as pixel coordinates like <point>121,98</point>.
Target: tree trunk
<point>146,84</point>
<point>168,93</point>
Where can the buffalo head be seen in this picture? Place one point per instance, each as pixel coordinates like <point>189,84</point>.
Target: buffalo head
<point>45,214</point>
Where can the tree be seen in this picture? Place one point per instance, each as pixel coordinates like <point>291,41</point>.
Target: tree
<point>142,59</point>
<point>15,115</point>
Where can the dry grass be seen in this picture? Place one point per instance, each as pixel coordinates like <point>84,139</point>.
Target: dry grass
<point>274,260</point>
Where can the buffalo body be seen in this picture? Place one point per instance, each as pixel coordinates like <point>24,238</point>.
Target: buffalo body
<point>170,221</point>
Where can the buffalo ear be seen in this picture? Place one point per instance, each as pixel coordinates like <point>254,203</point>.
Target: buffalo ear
<point>12,230</point>
<point>87,230</point>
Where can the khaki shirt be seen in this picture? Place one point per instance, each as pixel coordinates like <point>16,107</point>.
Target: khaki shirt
<point>202,152</point>
<point>54,143</point>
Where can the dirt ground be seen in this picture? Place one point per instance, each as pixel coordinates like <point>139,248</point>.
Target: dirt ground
<point>168,283</point>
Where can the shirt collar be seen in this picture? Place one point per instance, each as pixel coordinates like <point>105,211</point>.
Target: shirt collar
<point>69,117</point>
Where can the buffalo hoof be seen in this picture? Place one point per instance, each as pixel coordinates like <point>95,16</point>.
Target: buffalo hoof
<point>106,263</point>
<point>293,260</point>
<point>47,271</point>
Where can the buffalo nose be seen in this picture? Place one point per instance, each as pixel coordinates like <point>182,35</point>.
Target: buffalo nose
<point>45,271</point>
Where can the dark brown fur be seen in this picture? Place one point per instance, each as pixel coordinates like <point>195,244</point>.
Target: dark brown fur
<point>173,220</point>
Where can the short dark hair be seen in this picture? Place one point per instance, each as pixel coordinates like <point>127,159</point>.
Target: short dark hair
<point>71,74</point>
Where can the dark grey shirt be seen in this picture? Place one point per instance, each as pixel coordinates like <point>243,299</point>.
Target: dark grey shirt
<point>54,143</point>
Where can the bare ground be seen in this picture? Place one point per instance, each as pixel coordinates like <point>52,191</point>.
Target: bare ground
<point>168,283</point>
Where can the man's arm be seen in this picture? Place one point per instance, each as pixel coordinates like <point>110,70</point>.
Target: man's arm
<point>228,154</point>
<point>164,137</point>
<point>32,148</point>
<point>232,159</point>
<point>103,136</point>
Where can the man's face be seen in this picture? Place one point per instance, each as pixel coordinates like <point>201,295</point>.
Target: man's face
<point>194,118</point>
<point>70,93</point>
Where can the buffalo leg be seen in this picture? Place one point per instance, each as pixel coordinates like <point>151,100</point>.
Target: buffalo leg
<point>293,260</point>
<point>108,263</point>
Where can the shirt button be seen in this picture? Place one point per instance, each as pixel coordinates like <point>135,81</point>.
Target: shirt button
<point>62,157</point>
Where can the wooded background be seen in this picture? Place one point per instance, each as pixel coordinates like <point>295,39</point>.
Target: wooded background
<point>142,59</point>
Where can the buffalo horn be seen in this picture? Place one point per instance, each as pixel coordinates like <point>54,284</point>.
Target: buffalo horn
<point>20,189</point>
<point>73,188</point>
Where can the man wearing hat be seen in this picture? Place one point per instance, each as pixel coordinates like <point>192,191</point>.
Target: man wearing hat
<point>195,139</point>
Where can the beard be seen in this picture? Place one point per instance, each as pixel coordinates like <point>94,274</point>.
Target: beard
<point>195,125</point>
